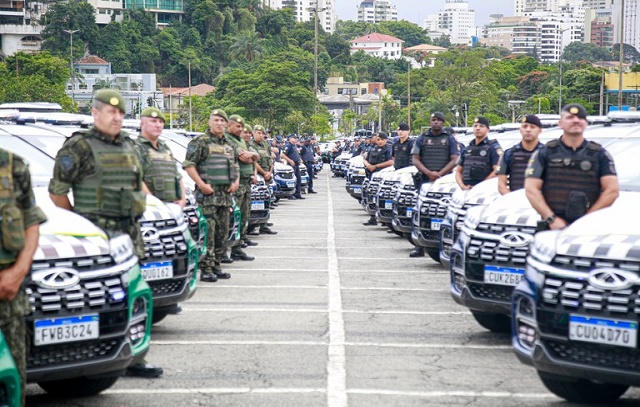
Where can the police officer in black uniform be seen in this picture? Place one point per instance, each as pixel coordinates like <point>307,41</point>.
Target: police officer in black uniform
<point>378,158</point>
<point>356,148</point>
<point>434,154</point>
<point>513,163</point>
<point>480,158</point>
<point>307,154</point>
<point>570,176</point>
<point>292,156</point>
<point>401,148</point>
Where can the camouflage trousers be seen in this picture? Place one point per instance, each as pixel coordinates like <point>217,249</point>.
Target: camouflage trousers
<point>243,198</point>
<point>218,221</point>
<point>15,333</point>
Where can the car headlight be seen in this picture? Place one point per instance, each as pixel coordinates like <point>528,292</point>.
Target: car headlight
<point>121,248</point>
<point>473,218</point>
<point>543,247</point>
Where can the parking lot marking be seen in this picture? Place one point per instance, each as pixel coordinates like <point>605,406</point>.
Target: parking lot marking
<point>220,390</point>
<point>429,346</point>
<point>346,344</point>
<point>240,343</point>
<point>473,394</point>
<point>337,375</point>
<point>322,311</point>
<point>426,290</point>
<point>322,287</point>
<point>395,271</point>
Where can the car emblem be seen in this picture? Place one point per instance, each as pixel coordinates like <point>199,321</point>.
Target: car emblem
<point>445,201</point>
<point>57,278</point>
<point>149,234</point>
<point>515,239</point>
<point>612,279</point>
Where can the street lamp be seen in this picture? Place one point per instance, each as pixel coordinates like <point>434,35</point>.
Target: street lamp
<point>560,68</point>
<point>315,10</point>
<point>73,76</point>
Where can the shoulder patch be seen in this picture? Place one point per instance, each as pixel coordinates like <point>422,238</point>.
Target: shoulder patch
<point>67,162</point>
<point>553,143</point>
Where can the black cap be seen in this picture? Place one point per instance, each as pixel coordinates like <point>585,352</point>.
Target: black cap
<point>438,115</point>
<point>403,126</point>
<point>383,135</point>
<point>481,120</point>
<point>278,138</point>
<point>576,109</point>
<point>532,119</point>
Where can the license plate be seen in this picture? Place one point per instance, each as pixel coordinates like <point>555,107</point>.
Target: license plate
<point>435,224</point>
<point>357,190</point>
<point>603,331</point>
<point>257,205</point>
<point>291,184</point>
<point>502,275</point>
<point>62,330</point>
<point>374,199</point>
<point>388,204</point>
<point>409,212</point>
<point>160,270</point>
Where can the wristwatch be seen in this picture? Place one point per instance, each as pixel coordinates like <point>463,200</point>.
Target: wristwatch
<point>550,219</point>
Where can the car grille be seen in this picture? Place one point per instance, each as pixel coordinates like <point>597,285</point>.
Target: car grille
<point>405,221</point>
<point>592,355</point>
<point>430,235</point>
<point>579,295</point>
<point>191,213</point>
<point>89,295</point>
<point>163,288</point>
<point>385,213</point>
<point>259,194</point>
<point>587,264</point>
<point>68,353</point>
<point>499,229</point>
<point>493,252</point>
<point>167,246</point>
<point>493,292</point>
<point>406,200</point>
<point>90,263</point>
<point>286,175</point>
<point>433,209</point>
<point>258,214</point>
<point>386,192</point>
<point>357,180</point>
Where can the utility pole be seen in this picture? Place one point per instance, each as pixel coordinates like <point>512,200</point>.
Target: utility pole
<point>73,75</point>
<point>621,55</point>
<point>315,10</point>
<point>190,108</point>
<point>409,96</point>
<point>601,111</point>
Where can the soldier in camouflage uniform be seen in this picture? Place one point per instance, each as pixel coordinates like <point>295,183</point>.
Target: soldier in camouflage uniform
<point>161,177</point>
<point>211,163</point>
<point>264,166</point>
<point>101,167</point>
<point>243,195</point>
<point>20,221</point>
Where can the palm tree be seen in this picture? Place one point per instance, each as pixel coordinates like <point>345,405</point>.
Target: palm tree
<point>249,45</point>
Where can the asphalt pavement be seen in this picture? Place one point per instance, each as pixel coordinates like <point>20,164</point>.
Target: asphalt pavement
<point>331,313</point>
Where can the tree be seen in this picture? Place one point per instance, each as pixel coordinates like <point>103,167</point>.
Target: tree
<point>630,54</point>
<point>61,16</point>
<point>347,122</point>
<point>248,45</point>
<point>585,51</point>
<point>411,33</point>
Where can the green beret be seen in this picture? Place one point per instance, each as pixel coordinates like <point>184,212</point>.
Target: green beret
<point>236,118</point>
<point>248,128</point>
<point>110,97</point>
<point>152,112</point>
<point>221,113</point>
<point>257,127</point>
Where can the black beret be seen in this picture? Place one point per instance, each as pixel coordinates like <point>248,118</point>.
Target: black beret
<point>481,120</point>
<point>532,119</point>
<point>403,126</point>
<point>382,134</point>
<point>576,110</point>
<point>438,115</point>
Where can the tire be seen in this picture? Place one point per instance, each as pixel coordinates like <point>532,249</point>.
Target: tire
<point>434,253</point>
<point>497,323</point>
<point>583,391</point>
<point>159,315</point>
<point>79,386</point>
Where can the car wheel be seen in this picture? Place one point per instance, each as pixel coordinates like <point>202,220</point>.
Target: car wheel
<point>78,386</point>
<point>497,323</point>
<point>582,391</point>
<point>434,253</point>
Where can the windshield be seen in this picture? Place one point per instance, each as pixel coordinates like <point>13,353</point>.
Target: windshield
<point>40,165</point>
<point>625,152</point>
<point>49,144</point>
<point>178,150</point>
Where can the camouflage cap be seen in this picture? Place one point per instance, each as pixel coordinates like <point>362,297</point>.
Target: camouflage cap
<point>220,113</point>
<point>110,97</point>
<point>153,112</point>
<point>257,127</point>
<point>236,118</point>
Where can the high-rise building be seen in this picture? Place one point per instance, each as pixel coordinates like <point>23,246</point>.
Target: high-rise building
<point>303,11</point>
<point>375,11</point>
<point>458,21</point>
<point>631,25</point>
<point>597,4</point>
<point>525,7</point>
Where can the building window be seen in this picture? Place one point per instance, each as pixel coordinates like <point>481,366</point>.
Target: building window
<point>90,71</point>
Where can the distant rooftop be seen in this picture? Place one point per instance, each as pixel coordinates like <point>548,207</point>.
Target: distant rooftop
<point>198,90</point>
<point>376,37</point>
<point>92,59</point>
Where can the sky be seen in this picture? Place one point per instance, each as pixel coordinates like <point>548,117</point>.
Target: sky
<point>417,10</point>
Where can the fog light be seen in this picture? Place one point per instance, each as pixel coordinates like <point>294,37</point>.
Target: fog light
<point>458,282</point>
<point>137,332</point>
<point>527,334</point>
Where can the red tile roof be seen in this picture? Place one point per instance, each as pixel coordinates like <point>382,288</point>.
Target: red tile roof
<point>377,37</point>
<point>198,90</point>
<point>92,59</point>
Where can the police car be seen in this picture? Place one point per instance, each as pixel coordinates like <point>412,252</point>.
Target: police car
<point>404,203</point>
<point>285,180</point>
<point>577,309</point>
<point>370,204</point>
<point>356,177</point>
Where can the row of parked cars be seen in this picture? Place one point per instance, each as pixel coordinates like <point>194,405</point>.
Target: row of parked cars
<point>570,299</point>
<point>92,303</point>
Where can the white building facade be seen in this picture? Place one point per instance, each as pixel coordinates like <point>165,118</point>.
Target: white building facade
<point>456,20</point>
<point>631,25</point>
<point>327,18</point>
<point>378,45</point>
<point>376,11</point>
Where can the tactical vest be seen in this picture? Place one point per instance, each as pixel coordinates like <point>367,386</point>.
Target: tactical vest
<point>402,154</point>
<point>217,167</point>
<point>113,190</point>
<point>564,175</point>
<point>307,153</point>
<point>162,177</point>
<point>246,170</point>
<point>477,162</point>
<point>377,155</point>
<point>266,161</point>
<point>518,166</point>
<point>12,223</point>
<point>434,153</point>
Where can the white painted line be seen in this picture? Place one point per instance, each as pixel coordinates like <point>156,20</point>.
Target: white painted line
<point>297,258</point>
<point>391,312</point>
<point>380,258</point>
<point>267,287</point>
<point>473,394</point>
<point>425,271</point>
<point>425,290</point>
<point>336,370</point>
<point>429,346</point>
<point>322,311</point>
<point>239,343</point>
<point>297,270</point>
<point>220,390</point>
<point>288,247</point>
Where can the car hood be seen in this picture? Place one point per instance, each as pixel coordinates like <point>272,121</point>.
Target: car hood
<point>357,161</point>
<point>511,209</point>
<point>482,194</point>
<point>444,185</point>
